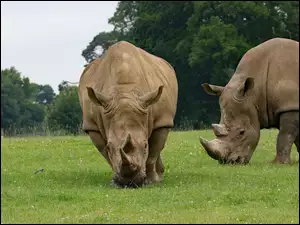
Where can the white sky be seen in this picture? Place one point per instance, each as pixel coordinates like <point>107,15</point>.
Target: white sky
<point>43,40</point>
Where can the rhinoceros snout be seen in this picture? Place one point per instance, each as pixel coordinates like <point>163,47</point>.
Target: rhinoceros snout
<point>237,160</point>
<point>136,181</point>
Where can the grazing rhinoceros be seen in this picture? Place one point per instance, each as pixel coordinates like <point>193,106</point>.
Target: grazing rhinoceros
<point>262,93</point>
<point>128,99</point>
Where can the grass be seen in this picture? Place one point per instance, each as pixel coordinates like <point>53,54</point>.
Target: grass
<point>74,186</point>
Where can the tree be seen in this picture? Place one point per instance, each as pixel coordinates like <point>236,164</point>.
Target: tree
<point>66,84</point>
<point>99,45</point>
<point>65,112</point>
<point>12,98</point>
<point>19,110</point>
<point>31,116</point>
<point>202,40</point>
<point>122,20</point>
<point>45,95</point>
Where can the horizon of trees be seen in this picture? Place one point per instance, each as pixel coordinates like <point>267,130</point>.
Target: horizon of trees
<point>202,40</point>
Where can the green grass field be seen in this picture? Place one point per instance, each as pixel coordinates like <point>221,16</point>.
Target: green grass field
<point>75,185</point>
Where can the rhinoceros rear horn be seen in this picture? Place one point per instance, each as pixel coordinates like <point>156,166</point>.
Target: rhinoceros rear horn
<point>98,98</point>
<point>151,98</point>
<point>219,130</point>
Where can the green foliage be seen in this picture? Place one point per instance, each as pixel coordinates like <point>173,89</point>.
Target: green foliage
<point>45,95</point>
<point>124,17</point>
<point>99,44</point>
<point>218,45</point>
<point>24,106</point>
<point>195,190</point>
<point>202,40</point>
<point>65,113</point>
<point>31,114</point>
<point>20,107</point>
<point>10,96</point>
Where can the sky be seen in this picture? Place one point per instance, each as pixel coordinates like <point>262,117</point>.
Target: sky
<point>44,39</point>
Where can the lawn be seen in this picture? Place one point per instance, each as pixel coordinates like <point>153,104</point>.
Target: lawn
<point>74,186</point>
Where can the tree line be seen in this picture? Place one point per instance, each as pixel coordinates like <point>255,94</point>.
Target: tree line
<point>202,40</point>
<point>30,108</point>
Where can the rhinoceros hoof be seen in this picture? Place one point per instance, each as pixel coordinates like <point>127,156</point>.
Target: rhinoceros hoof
<point>153,178</point>
<point>281,161</point>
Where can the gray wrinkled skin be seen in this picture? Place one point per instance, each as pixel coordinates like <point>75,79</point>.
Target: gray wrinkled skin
<point>128,99</point>
<point>262,93</point>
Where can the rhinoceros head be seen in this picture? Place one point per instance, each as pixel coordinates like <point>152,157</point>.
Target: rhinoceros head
<point>125,118</point>
<point>238,132</point>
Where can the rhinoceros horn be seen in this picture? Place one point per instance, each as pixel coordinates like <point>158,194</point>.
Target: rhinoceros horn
<point>219,129</point>
<point>125,157</point>
<point>212,148</point>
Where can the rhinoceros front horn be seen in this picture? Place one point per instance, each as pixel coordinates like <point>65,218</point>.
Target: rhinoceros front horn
<point>125,157</point>
<point>211,148</point>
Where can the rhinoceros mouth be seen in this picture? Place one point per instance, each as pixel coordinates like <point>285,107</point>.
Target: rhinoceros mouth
<point>230,161</point>
<point>220,150</point>
<point>129,182</point>
<point>239,160</point>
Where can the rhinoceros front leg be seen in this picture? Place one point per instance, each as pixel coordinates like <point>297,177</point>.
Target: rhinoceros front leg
<point>99,143</point>
<point>154,164</point>
<point>288,133</point>
<point>160,169</point>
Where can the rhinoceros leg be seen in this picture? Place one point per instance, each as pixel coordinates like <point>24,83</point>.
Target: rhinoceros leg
<point>288,132</point>
<point>99,143</point>
<point>160,169</point>
<point>154,165</point>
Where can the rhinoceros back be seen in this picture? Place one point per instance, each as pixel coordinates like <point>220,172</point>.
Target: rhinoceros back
<point>274,65</point>
<point>125,64</point>
<point>283,78</point>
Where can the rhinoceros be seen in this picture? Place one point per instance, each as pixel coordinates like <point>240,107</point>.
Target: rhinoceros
<point>129,99</point>
<point>262,93</point>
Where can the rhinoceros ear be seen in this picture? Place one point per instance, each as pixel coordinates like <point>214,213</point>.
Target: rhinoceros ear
<point>212,89</point>
<point>152,97</point>
<point>245,87</point>
<point>98,98</point>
